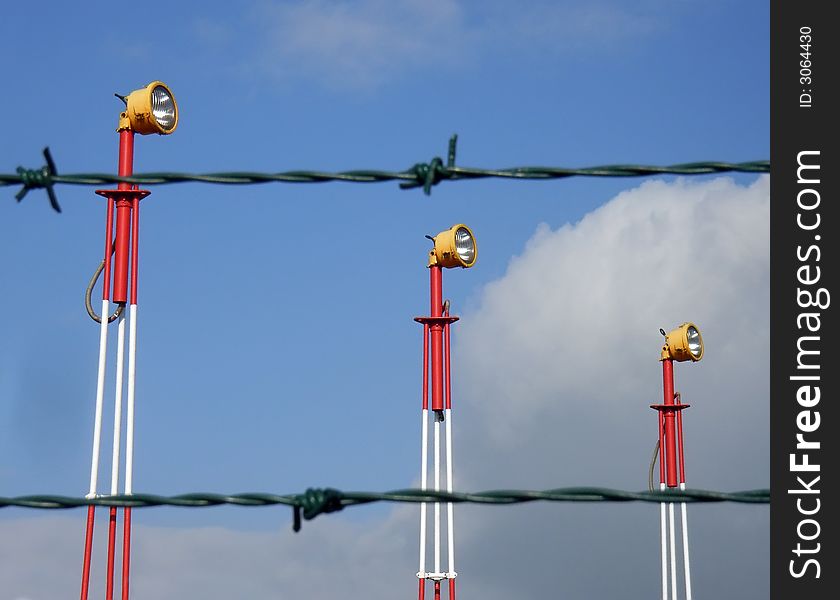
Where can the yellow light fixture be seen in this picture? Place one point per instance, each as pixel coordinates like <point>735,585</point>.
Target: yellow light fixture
<point>151,109</point>
<point>454,247</point>
<point>683,343</point>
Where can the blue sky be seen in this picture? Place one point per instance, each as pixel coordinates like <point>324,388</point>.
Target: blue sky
<point>277,349</point>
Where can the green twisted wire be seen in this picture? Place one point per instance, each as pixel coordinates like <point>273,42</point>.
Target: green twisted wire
<point>316,501</point>
<point>425,175</point>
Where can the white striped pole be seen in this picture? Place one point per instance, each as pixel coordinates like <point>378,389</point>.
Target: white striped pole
<point>683,509</point>
<point>447,414</point>
<point>129,424</point>
<point>686,561</point>
<point>424,463</point>
<point>100,394</point>
<point>424,458</point>
<point>663,527</point>
<point>115,451</point>
<point>115,456</point>
<point>450,517</point>
<point>437,489</point>
<point>673,545</point>
<point>132,370</point>
<point>663,544</point>
<point>129,446</point>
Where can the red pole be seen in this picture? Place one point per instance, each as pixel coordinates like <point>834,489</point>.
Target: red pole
<point>135,236</point>
<point>670,429</point>
<point>126,550</point>
<point>661,446</point>
<point>88,547</point>
<point>112,531</point>
<point>106,294</point>
<point>448,363</point>
<point>447,354</point>
<point>121,255</point>
<point>680,439</point>
<point>135,231</point>
<point>425,366</point>
<point>436,341</point>
<point>109,237</point>
<point>421,590</point>
<point>436,329</point>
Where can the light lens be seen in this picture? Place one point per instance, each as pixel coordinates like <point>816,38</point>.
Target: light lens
<point>695,344</point>
<point>163,107</point>
<point>465,245</point>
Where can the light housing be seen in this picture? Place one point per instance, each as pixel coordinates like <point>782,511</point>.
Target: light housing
<point>151,109</point>
<point>454,247</point>
<point>683,343</point>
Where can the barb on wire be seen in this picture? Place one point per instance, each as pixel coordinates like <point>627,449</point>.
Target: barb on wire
<point>425,175</point>
<point>316,501</point>
<point>432,173</point>
<point>44,177</point>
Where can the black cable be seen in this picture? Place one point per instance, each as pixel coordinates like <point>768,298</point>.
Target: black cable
<point>89,292</point>
<point>652,465</point>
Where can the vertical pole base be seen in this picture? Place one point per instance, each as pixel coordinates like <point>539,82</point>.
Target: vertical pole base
<point>88,548</point>
<point>668,411</point>
<point>112,534</point>
<point>126,550</point>
<point>436,327</point>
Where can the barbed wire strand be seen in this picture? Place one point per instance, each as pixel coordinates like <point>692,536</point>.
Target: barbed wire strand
<point>316,501</point>
<point>421,175</point>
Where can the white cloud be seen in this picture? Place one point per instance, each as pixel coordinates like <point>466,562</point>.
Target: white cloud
<point>42,557</point>
<point>361,44</point>
<point>558,363</point>
<point>556,366</point>
<point>573,325</point>
<point>366,43</point>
